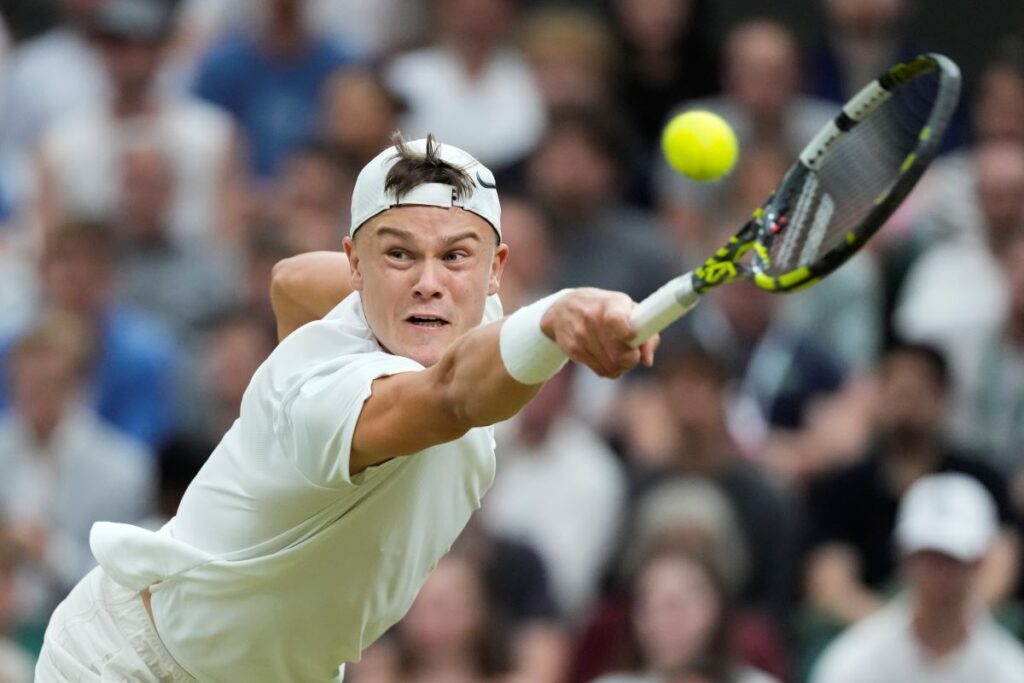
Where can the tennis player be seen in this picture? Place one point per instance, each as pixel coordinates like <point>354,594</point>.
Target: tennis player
<point>363,446</point>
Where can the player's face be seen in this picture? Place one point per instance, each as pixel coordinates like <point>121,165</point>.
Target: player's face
<point>424,274</point>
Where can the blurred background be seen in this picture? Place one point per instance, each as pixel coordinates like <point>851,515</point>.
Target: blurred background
<point>718,518</point>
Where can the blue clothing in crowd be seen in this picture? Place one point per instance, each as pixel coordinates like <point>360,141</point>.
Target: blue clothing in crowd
<point>132,382</point>
<point>275,100</point>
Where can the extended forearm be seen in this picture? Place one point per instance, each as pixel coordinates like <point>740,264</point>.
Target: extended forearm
<point>476,384</point>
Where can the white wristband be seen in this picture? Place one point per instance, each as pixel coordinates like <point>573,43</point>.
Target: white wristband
<point>530,357</point>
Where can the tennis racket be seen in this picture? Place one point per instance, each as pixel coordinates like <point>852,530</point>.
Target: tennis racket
<point>846,183</point>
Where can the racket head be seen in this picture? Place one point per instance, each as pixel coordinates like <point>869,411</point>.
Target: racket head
<point>854,174</point>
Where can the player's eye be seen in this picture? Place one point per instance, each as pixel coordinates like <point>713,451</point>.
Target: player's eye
<point>455,256</point>
<point>397,254</point>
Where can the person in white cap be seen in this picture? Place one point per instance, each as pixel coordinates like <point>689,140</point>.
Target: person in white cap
<point>306,535</point>
<point>940,631</point>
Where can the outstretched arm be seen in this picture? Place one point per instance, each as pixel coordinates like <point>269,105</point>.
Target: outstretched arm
<point>306,287</point>
<point>471,387</point>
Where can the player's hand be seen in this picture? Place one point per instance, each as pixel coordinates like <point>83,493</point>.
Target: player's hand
<point>592,326</point>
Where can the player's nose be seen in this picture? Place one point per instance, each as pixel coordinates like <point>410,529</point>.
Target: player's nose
<point>428,282</point>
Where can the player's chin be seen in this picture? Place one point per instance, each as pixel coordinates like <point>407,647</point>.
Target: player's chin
<point>427,347</point>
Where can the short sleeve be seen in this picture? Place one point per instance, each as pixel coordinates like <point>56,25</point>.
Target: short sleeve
<point>321,417</point>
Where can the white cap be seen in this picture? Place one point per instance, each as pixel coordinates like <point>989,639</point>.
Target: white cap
<point>369,197</point>
<point>949,513</point>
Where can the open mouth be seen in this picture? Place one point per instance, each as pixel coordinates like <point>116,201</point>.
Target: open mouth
<point>426,321</point>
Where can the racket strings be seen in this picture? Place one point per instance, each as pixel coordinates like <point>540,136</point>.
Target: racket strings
<point>855,174</point>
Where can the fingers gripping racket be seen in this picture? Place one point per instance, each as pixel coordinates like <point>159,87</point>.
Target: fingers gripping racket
<point>846,183</point>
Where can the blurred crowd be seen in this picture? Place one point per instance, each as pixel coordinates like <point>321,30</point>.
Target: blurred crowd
<point>737,514</point>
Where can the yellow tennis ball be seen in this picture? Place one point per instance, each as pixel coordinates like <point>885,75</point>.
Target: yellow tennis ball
<point>700,145</point>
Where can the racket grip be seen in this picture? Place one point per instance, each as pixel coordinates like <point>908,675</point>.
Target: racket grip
<point>662,308</point>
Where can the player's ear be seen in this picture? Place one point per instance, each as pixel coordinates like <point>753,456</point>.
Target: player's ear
<point>497,267</point>
<point>354,264</point>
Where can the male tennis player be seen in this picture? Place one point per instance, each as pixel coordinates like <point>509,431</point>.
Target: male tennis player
<point>362,448</point>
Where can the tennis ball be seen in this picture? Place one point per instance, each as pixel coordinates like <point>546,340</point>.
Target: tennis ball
<point>700,145</point>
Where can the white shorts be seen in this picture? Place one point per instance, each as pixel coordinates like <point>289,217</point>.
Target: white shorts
<point>101,632</point>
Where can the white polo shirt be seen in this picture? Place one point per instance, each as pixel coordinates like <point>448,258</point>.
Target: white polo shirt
<point>279,566</point>
<point>884,649</point>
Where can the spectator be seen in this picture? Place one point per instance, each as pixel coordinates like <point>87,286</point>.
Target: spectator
<point>681,619</point>
<point>63,467</point>
<point>692,392</point>
<point>265,248</point>
<point>270,80</point>
<point>178,281</point>
<point>559,489</point>
<point>178,462</point>
<point>946,204</point>
<point>938,632</point>
<point>80,152</point>
<point>852,511</point>
<point>15,665</point>
<point>45,78</point>
<point>762,101</point>
<point>682,514</point>
<point>577,174</point>
<point>315,189</point>
<point>958,318</point>
<point>360,113</point>
<point>519,589</point>
<point>573,56</point>
<point>667,57</point>
<point>472,89</point>
<point>526,230</point>
<point>448,634</point>
<point>779,372</point>
<point>131,376</point>
<point>864,38</point>
<point>238,341</point>
<point>995,401</point>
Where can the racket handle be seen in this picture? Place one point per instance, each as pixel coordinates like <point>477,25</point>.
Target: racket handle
<point>662,308</point>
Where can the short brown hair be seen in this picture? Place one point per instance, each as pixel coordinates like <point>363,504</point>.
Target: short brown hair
<point>414,169</point>
<point>60,332</point>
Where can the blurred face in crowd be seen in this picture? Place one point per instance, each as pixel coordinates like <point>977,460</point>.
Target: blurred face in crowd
<point>43,382</point>
<point>147,187</point>
<point>476,24</point>
<point>424,273</point>
<point>695,398</point>
<point>536,418</point>
<point>654,26</point>
<point>911,401</point>
<point>77,275</point>
<point>762,69</point>
<point>865,17</point>
<point>676,614</point>
<point>238,347</point>
<point>569,174</point>
<point>131,63</point>
<point>449,614</point>
<point>572,55</point>
<point>359,114</point>
<point>525,230</point>
<point>748,308</point>
<point>999,107</point>
<point>315,192</point>
<point>939,580</point>
<point>999,173</point>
